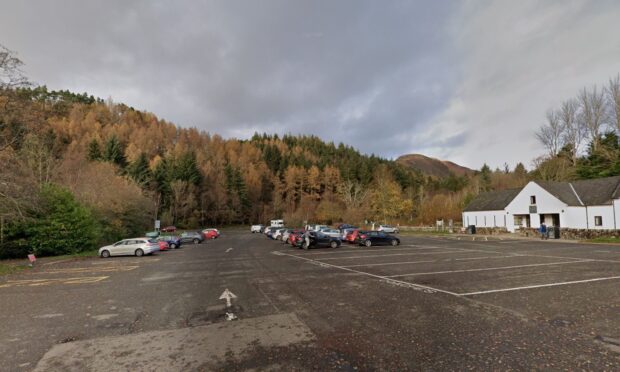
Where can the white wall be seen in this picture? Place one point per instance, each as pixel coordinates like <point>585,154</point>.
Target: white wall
<point>486,218</point>
<point>606,212</point>
<point>545,204</point>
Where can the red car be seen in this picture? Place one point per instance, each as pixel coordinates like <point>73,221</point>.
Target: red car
<point>295,236</point>
<point>352,236</point>
<point>211,233</point>
<point>168,229</point>
<point>163,246</point>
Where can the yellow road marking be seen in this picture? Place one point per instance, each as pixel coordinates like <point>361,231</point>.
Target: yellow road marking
<point>89,269</point>
<point>111,261</point>
<point>41,282</point>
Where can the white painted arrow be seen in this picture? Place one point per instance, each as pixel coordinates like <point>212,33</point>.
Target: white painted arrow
<point>227,295</point>
<point>228,250</point>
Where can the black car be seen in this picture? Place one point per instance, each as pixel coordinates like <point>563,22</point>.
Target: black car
<point>370,238</point>
<point>316,240</point>
<point>346,226</point>
<point>192,237</point>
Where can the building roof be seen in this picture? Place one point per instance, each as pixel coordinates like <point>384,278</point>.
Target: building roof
<point>492,200</point>
<point>600,191</point>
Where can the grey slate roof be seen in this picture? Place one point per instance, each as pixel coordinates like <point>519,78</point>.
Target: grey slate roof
<point>492,200</point>
<point>601,191</point>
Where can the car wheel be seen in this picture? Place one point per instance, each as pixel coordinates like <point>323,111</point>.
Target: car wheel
<point>333,244</point>
<point>105,254</point>
<point>173,246</point>
<point>394,242</point>
<point>196,241</point>
<point>139,252</point>
<point>368,243</point>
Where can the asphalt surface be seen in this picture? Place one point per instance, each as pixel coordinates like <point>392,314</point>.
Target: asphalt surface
<point>428,304</point>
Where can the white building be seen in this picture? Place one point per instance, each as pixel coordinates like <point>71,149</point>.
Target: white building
<point>587,204</point>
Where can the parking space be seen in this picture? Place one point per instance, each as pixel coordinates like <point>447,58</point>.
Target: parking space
<point>475,269</point>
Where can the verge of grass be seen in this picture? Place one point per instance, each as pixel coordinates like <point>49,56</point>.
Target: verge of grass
<point>6,269</point>
<point>422,232</point>
<point>603,239</point>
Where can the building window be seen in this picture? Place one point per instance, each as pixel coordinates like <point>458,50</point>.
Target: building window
<point>533,200</point>
<point>598,221</point>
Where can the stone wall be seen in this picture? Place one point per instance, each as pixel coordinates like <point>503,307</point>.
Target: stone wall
<point>573,234</point>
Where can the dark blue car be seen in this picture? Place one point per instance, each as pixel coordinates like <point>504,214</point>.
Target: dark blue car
<point>173,241</point>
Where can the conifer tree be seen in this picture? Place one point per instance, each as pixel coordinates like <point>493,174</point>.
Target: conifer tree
<point>94,151</point>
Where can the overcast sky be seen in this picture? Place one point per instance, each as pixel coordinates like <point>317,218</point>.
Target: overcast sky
<point>467,81</point>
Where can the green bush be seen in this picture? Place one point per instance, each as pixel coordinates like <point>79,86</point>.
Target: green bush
<point>64,227</point>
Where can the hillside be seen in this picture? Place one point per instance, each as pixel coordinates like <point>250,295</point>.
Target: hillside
<point>433,167</point>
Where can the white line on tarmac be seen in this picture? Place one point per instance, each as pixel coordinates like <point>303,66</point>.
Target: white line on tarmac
<point>430,261</point>
<point>572,258</point>
<point>413,285</point>
<point>388,255</point>
<point>539,286</point>
<point>487,269</point>
<point>361,250</point>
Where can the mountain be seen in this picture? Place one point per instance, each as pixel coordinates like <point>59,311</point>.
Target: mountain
<point>433,167</point>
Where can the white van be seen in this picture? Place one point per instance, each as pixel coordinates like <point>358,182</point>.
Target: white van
<point>277,223</point>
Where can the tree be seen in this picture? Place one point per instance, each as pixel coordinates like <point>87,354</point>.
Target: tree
<point>64,227</point>
<point>573,127</point>
<point>592,113</point>
<point>139,170</point>
<point>613,102</point>
<point>485,178</point>
<point>114,152</point>
<point>94,151</point>
<point>11,75</point>
<point>551,135</point>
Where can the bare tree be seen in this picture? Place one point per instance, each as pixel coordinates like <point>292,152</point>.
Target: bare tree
<point>592,113</point>
<point>573,130</point>
<point>613,102</point>
<point>11,74</point>
<point>551,135</point>
<point>353,194</point>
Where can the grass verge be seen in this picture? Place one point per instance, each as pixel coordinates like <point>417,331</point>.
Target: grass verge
<point>608,240</point>
<point>6,269</point>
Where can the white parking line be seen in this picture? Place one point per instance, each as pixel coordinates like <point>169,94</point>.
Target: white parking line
<point>394,281</point>
<point>539,286</point>
<point>362,250</point>
<point>430,261</point>
<point>388,255</point>
<point>487,268</point>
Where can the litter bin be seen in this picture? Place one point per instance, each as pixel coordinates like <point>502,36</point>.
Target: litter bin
<point>471,229</point>
<point>554,232</point>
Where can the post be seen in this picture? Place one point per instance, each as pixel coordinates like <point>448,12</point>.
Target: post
<point>2,229</point>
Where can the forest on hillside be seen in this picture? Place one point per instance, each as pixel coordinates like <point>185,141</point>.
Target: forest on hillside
<point>79,170</point>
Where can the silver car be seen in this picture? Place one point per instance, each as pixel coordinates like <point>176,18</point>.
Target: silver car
<point>388,229</point>
<point>334,233</point>
<point>130,247</point>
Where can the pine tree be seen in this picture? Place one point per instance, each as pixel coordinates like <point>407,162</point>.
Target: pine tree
<point>94,151</point>
<point>114,152</point>
<point>139,170</point>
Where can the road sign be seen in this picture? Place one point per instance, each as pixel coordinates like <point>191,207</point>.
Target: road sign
<point>227,295</point>
<point>31,258</point>
<point>157,224</point>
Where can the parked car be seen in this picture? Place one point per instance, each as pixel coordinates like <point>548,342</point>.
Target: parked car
<point>334,233</point>
<point>192,237</point>
<point>388,229</point>
<point>130,247</point>
<point>257,228</point>
<point>174,242</point>
<point>353,235</point>
<point>268,231</point>
<point>346,226</point>
<point>163,246</point>
<point>370,238</point>
<point>315,239</point>
<point>168,229</point>
<point>290,233</point>
<point>345,232</point>
<point>316,227</point>
<point>285,234</point>
<point>295,236</point>
<point>277,234</point>
<point>211,233</point>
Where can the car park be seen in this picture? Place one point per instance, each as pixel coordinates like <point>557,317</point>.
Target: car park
<point>257,229</point>
<point>388,229</point>
<point>211,233</point>
<point>316,239</point>
<point>370,238</point>
<point>192,237</point>
<point>174,242</point>
<point>130,247</point>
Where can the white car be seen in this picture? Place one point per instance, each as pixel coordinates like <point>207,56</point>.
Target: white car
<point>278,233</point>
<point>257,229</point>
<point>388,229</point>
<point>334,233</point>
<point>130,247</point>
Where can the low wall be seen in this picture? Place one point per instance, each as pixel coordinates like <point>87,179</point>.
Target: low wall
<point>573,234</point>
